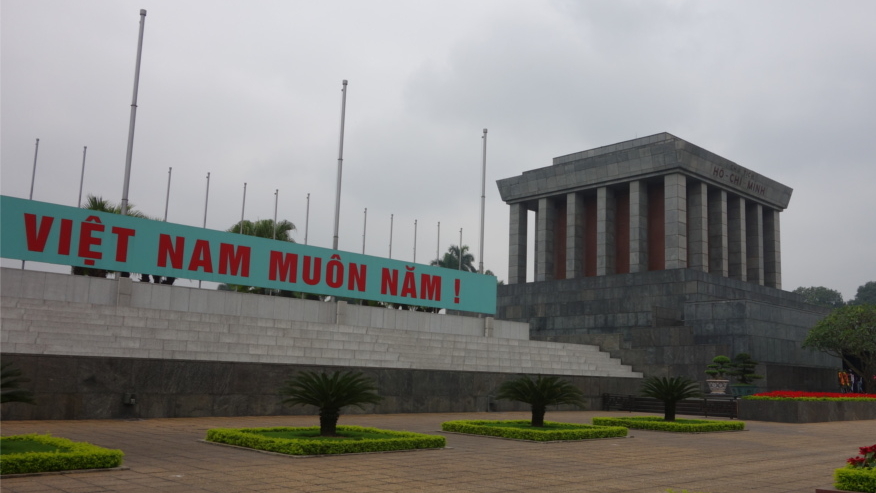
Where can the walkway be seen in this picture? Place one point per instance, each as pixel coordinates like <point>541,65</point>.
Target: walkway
<point>165,455</point>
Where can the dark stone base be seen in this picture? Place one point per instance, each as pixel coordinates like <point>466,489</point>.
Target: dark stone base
<point>806,411</point>
<point>79,387</point>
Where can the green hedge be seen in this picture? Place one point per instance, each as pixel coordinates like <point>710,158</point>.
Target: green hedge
<point>483,427</point>
<point>855,479</point>
<point>679,425</point>
<point>77,455</point>
<point>819,399</point>
<point>396,440</point>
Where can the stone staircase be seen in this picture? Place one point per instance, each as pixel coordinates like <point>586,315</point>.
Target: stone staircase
<point>34,326</point>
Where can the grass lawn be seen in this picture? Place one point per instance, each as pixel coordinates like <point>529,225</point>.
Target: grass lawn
<point>307,441</point>
<point>23,454</point>
<point>522,430</point>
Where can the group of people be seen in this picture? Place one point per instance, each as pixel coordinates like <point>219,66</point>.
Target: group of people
<point>850,382</point>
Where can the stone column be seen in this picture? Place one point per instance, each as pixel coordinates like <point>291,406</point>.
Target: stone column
<point>675,187</point>
<point>718,247</point>
<point>772,249</point>
<point>517,244</point>
<point>754,241</point>
<point>544,241</point>
<point>604,231</point>
<point>574,235</point>
<point>737,263</point>
<point>698,226</point>
<point>638,226</point>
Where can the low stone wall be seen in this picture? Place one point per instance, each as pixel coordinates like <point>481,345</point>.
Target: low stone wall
<point>806,411</point>
<point>86,387</point>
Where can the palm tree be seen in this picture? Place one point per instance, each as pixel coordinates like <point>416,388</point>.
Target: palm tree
<point>450,260</point>
<point>330,393</point>
<point>670,391</point>
<point>10,383</point>
<point>541,393</point>
<point>265,228</point>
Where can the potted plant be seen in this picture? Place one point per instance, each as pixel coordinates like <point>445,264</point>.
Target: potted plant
<point>743,370</point>
<point>719,367</point>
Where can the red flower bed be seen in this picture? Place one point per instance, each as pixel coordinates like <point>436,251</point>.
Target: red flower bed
<point>796,394</point>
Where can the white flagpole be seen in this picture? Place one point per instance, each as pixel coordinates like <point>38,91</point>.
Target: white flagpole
<point>206,200</point>
<point>33,177</point>
<point>438,245</point>
<point>167,195</point>
<point>390,234</point>
<point>130,152</point>
<point>483,200</point>
<point>340,166</point>
<point>307,219</point>
<point>82,176</point>
<point>460,249</point>
<point>242,210</point>
<point>276,199</point>
<point>364,226</point>
<point>415,241</point>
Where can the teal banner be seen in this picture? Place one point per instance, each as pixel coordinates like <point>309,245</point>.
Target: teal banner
<point>58,234</point>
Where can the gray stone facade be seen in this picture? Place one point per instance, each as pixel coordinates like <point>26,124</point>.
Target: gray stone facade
<point>682,264</point>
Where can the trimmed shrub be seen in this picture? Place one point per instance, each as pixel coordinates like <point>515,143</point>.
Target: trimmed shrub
<point>679,425</point>
<point>73,455</point>
<point>541,434</point>
<point>855,479</point>
<point>395,440</point>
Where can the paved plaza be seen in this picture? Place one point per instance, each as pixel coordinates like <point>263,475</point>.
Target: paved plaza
<point>166,455</point>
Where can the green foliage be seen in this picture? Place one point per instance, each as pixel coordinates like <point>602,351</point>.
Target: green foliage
<point>848,333</point>
<point>679,425</point>
<point>75,455</point>
<point>719,366</point>
<point>670,391</point>
<point>265,228</point>
<point>524,431</point>
<point>853,479</point>
<point>743,369</point>
<point>394,440</point>
<point>866,294</point>
<point>821,296</point>
<point>828,399</point>
<point>10,385</point>
<point>450,260</point>
<point>330,393</point>
<point>540,393</point>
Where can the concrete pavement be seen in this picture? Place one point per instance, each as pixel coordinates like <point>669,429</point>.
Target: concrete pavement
<point>166,455</point>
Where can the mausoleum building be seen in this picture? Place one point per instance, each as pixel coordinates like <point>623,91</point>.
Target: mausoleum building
<point>661,250</point>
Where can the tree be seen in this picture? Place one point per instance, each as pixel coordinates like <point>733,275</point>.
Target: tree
<point>866,294</point>
<point>450,260</point>
<point>670,391</point>
<point>541,393</point>
<point>330,393</point>
<point>849,333</point>
<point>264,228</point>
<point>10,385</point>
<point>821,296</point>
<point>743,369</point>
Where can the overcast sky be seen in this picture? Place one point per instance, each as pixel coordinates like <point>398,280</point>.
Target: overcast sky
<point>250,91</point>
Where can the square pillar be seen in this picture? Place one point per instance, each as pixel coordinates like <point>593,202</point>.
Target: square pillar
<point>544,241</point>
<point>772,249</point>
<point>754,241</point>
<point>698,226</point>
<point>675,217</point>
<point>605,211</point>
<point>718,247</point>
<point>638,226</point>
<point>574,236</point>
<point>737,264</point>
<point>517,232</point>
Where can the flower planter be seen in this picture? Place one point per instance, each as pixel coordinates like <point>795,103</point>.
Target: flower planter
<point>793,411</point>
<point>741,389</point>
<point>717,387</point>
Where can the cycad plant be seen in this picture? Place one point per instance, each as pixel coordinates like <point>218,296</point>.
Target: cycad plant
<point>330,392</point>
<point>10,385</point>
<point>541,393</point>
<point>670,391</point>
